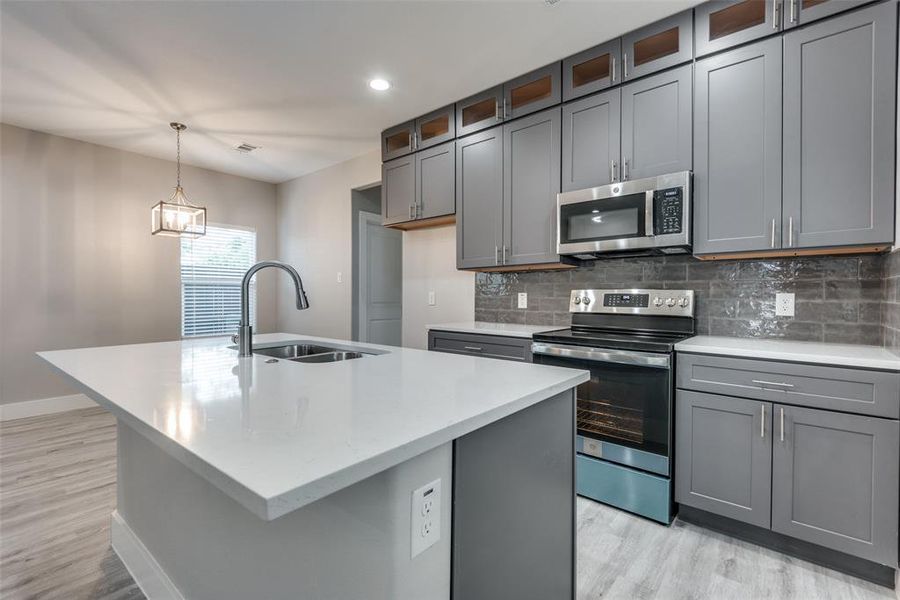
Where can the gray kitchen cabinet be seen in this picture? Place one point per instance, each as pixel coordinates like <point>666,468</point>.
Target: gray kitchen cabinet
<point>534,91</point>
<point>398,190</point>
<point>479,111</point>
<point>479,199</point>
<point>723,454</point>
<point>839,130</point>
<point>658,46</point>
<point>656,124</point>
<point>436,181</point>
<point>798,12</point>
<point>721,24</point>
<point>436,127</point>
<point>834,481</point>
<point>737,150</point>
<point>398,140</point>
<point>485,345</point>
<point>531,149</point>
<point>591,141</point>
<point>591,71</point>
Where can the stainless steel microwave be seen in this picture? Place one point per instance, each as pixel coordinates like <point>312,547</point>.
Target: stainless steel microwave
<point>642,216</point>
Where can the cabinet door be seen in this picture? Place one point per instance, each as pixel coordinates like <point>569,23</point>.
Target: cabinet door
<point>592,70</point>
<point>436,181</point>
<point>532,92</point>
<point>834,481</point>
<point>839,130</point>
<point>656,124</point>
<point>531,148</point>
<point>436,127</point>
<point>479,199</point>
<point>723,454</point>
<point>737,150</point>
<point>659,46</point>
<point>721,24</point>
<point>399,140</point>
<point>798,12</point>
<point>590,141</point>
<point>398,190</point>
<point>479,111</point>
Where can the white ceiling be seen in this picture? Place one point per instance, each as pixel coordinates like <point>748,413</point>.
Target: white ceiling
<point>288,76</point>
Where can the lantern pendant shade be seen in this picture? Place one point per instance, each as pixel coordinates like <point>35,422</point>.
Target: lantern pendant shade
<point>176,217</point>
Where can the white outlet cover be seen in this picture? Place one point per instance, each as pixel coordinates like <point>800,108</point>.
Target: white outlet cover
<point>425,518</point>
<point>340,277</point>
<point>784,304</point>
<point>523,300</point>
<point>431,299</point>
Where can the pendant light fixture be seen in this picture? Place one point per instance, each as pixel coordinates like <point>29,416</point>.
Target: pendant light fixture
<point>176,216</point>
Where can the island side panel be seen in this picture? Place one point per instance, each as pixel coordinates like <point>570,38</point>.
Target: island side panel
<point>514,506</point>
<point>352,545</point>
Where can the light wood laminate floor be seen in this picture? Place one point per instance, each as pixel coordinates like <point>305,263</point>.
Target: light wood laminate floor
<point>57,490</point>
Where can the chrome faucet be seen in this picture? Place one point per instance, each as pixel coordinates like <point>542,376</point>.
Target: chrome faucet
<point>245,333</point>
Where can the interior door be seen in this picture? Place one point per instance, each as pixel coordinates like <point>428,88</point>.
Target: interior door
<point>737,150</point>
<point>531,149</point>
<point>380,281</point>
<point>839,135</point>
<point>591,141</point>
<point>479,199</point>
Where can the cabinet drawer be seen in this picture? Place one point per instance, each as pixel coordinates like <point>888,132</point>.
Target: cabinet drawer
<point>858,391</point>
<point>490,346</point>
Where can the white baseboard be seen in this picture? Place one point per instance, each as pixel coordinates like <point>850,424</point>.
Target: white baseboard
<point>146,572</point>
<point>44,406</point>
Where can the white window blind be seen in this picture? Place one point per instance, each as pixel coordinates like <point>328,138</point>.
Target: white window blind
<point>212,267</point>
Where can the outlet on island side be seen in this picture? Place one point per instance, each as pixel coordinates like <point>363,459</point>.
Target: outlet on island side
<point>425,518</point>
<point>784,304</point>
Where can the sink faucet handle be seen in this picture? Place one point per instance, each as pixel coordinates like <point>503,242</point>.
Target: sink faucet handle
<point>235,338</point>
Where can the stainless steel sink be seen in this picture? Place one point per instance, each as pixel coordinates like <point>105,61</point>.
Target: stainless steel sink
<point>292,351</point>
<point>329,357</point>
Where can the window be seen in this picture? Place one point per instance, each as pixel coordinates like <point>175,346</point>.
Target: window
<point>211,271</point>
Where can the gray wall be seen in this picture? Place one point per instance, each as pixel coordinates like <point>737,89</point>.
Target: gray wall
<point>838,299</point>
<point>891,308</point>
<point>78,266</point>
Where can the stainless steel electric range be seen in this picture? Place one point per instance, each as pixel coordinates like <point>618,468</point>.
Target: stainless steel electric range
<point>626,339</point>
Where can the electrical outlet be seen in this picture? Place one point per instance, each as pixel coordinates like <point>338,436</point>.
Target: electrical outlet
<point>784,305</point>
<point>431,299</point>
<point>425,521</point>
<point>340,277</point>
<point>523,300</point>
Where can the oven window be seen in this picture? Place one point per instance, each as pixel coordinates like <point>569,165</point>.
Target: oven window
<point>607,219</point>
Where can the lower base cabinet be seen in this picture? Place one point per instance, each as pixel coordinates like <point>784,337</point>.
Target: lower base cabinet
<point>821,476</point>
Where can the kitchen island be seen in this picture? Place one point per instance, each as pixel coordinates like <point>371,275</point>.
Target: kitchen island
<point>268,478</point>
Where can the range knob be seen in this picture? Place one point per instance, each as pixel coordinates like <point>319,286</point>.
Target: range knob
<point>657,301</point>
<point>577,300</point>
<point>670,301</point>
<point>684,302</point>
<point>586,300</point>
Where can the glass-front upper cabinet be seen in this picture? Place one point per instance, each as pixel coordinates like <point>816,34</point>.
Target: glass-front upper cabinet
<point>398,140</point>
<point>436,127</point>
<point>724,23</point>
<point>797,12</point>
<point>658,46</point>
<point>532,92</point>
<point>480,111</point>
<point>592,70</point>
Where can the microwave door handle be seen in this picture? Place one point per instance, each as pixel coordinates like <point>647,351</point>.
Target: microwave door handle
<point>648,213</point>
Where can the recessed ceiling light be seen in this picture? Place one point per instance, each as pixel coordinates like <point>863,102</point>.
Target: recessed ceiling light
<point>380,84</point>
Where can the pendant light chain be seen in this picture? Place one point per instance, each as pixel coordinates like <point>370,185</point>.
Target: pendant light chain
<point>178,156</point>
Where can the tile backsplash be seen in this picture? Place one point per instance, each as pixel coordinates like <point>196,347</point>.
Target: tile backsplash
<point>838,299</point>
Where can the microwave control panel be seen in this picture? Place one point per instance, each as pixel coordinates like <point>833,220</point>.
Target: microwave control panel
<point>668,211</point>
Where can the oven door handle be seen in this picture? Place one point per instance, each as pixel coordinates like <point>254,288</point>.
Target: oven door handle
<point>624,357</point>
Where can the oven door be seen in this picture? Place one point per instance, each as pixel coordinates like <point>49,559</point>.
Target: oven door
<point>624,412</point>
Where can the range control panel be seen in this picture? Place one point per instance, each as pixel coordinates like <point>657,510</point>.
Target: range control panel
<point>675,303</point>
<point>668,211</point>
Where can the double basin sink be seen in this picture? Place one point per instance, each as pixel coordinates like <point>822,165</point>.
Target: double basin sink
<point>306,352</point>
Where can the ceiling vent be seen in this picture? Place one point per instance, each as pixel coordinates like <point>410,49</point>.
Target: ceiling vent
<point>246,148</point>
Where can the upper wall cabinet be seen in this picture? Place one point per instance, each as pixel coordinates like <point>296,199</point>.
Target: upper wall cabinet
<point>398,190</point>
<point>659,46</point>
<point>532,92</point>
<point>724,23</point>
<point>419,186</point>
<point>479,199</point>
<point>839,130</point>
<point>435,128</point>
<point>656,124</point>
<point>591,150</point>
<point>798,12</point>
<point>399,140</point>
<point>480,111</point>
<point>592,70</point>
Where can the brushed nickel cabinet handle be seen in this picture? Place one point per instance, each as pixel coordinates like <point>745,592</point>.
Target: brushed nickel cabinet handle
<point>776,14</point>
<point>625,170</point>
<point>497,114</point>
<point>496,255</point>
<point>772,242</point>
<point>762,420</point>
<point>612,68</point>
<point>793,11</point>
<point>473,348</point>
<point>612,170</point>
<point>504,254</point>
<point>776,383</point>
<point>624,65</point>
<point>781,418</point>
<point>790,232</point>
<point>412,211</point>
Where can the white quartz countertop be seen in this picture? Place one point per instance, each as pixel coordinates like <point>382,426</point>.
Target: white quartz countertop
<point>507,329</point>
<point>276,437</point>
<point>846,355</point>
